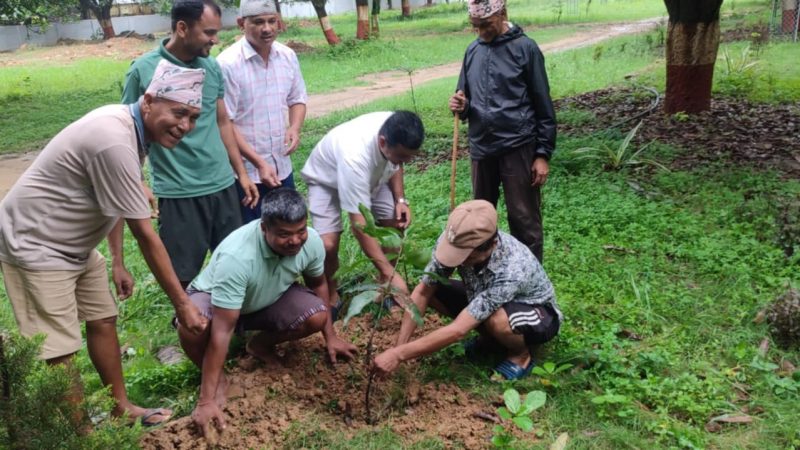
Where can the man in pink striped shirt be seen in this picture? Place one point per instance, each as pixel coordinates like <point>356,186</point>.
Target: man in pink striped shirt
<point>262,81</point>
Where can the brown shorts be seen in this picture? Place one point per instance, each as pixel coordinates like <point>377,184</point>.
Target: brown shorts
<point>291,309</point>
<point>54,302</point>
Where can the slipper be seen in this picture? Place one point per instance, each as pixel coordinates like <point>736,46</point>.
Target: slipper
<point>144,419</point>
<point>511,371</point>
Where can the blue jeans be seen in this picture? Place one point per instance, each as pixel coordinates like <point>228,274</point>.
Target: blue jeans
<point>251,214</point>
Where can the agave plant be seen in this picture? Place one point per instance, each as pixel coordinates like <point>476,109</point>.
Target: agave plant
<point>620,157</point>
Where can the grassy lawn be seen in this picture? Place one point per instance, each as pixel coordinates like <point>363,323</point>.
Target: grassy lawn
<point>659,284</point>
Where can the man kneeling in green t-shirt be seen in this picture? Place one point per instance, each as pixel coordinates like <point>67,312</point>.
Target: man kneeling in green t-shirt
<point>250,284</point>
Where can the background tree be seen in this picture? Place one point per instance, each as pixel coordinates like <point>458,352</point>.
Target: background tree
<point>373,19</point>
<point>362,14</point>
<point>30,12</point>
<point>692,44</point>
<point>405,7</point>
<point>324,22</point>
<point>102,12</point>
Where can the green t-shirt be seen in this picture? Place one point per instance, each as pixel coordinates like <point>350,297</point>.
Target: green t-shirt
<point>199,164</point>
<point>244,273</point>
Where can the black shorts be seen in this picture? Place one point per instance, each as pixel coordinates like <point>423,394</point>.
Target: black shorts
<point>536,323</point>
<point>191,227</point>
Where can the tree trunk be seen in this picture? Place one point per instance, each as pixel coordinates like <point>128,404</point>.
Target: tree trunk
<point>324,22</point>
<point>692,44</point>
<point>374,27</point>
<point>788,15</point>
<point>281,23</point>
<point>429,2</point>
<point>102,12</point>
<point>389,5</point>
<point>362,12</point>
<point>405,6</point>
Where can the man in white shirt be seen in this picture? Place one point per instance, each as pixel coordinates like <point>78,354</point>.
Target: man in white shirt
<point>361,162</point>
<point>262,81</point>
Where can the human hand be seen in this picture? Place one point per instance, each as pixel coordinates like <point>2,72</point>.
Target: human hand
<point>206,414</point>
<point>539,170</point>
<point>291,141</point>
<point>268,175</point>
<point>250,189</point>
<point>385,363</point>
<point>123,281</point>
<point>151,199</point>
<point>189,317</point>
<point>402,214</point>
<point>338,347</point>
<point>458,102</point>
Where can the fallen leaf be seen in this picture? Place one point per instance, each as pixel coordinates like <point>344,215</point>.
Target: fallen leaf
<point>713,427</point>
<point>760,317</point>
<point>628,334</point>
<point>787,368</point>
<point>763,347</point>
<point>561,442</point>
<point>732,418</point>
<point>486,416</point>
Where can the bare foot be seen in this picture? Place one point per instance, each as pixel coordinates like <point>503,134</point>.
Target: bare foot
<point>260,348</point>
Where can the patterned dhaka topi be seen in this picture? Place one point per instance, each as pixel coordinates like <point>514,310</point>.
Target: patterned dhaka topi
<point>481,9</point>
<point>179,84</point>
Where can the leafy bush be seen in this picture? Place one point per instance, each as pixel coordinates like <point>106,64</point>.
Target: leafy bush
<point>35,412</point>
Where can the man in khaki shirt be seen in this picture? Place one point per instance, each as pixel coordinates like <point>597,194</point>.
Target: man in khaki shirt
<point>85,180</point>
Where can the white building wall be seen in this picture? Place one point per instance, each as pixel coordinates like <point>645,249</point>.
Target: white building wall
<point>13,37</point>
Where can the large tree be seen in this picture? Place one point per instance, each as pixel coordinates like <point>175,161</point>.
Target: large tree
<point>102,12</point>
<point>31,12</point>
<point>692,44</point>
<point>362,14</point>
<point>325,22</point>
<point>405,7</point>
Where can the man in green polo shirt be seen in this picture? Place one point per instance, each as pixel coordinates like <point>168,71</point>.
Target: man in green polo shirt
<point>198,203</point>
<point>250,284</point>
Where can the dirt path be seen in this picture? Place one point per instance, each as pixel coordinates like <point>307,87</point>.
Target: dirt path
<point>383,84</point>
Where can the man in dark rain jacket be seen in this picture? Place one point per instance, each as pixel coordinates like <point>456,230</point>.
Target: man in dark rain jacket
<point>504,94</point>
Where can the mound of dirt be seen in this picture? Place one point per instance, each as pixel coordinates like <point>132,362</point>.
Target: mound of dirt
<point>299,47</point>
<point>734,131</point>
<point>264,401</point>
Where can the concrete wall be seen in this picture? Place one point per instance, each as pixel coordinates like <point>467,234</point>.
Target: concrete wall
<point>13,37</point>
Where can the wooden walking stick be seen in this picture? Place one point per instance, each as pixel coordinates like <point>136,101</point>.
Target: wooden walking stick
<point>453,165</point>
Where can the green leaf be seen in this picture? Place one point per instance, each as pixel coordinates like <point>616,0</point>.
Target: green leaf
<point>367,215</point>
<point>504,413</point>
<point>524,423</point>
<point>412,309</point>
<point>418,257</point>
<point>358,303</point>
<point>549,367</point>
<point>539,371</point>
<point>535,400</point>
<point>511,397</point>
<point>563,367</point>
<point>391,241</point>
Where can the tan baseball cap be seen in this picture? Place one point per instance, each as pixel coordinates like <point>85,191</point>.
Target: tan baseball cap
<point>471,224</point>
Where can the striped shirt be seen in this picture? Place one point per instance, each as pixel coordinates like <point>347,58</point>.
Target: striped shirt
<point>258,95</point>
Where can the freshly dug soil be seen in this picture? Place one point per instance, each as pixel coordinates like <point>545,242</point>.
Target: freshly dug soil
<point>263,402</point>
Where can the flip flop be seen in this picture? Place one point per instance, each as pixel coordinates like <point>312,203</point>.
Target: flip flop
<point>144,419</point>
<point>511,371</point>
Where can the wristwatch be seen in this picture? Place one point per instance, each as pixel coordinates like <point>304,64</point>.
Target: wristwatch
<point>403,201</point>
